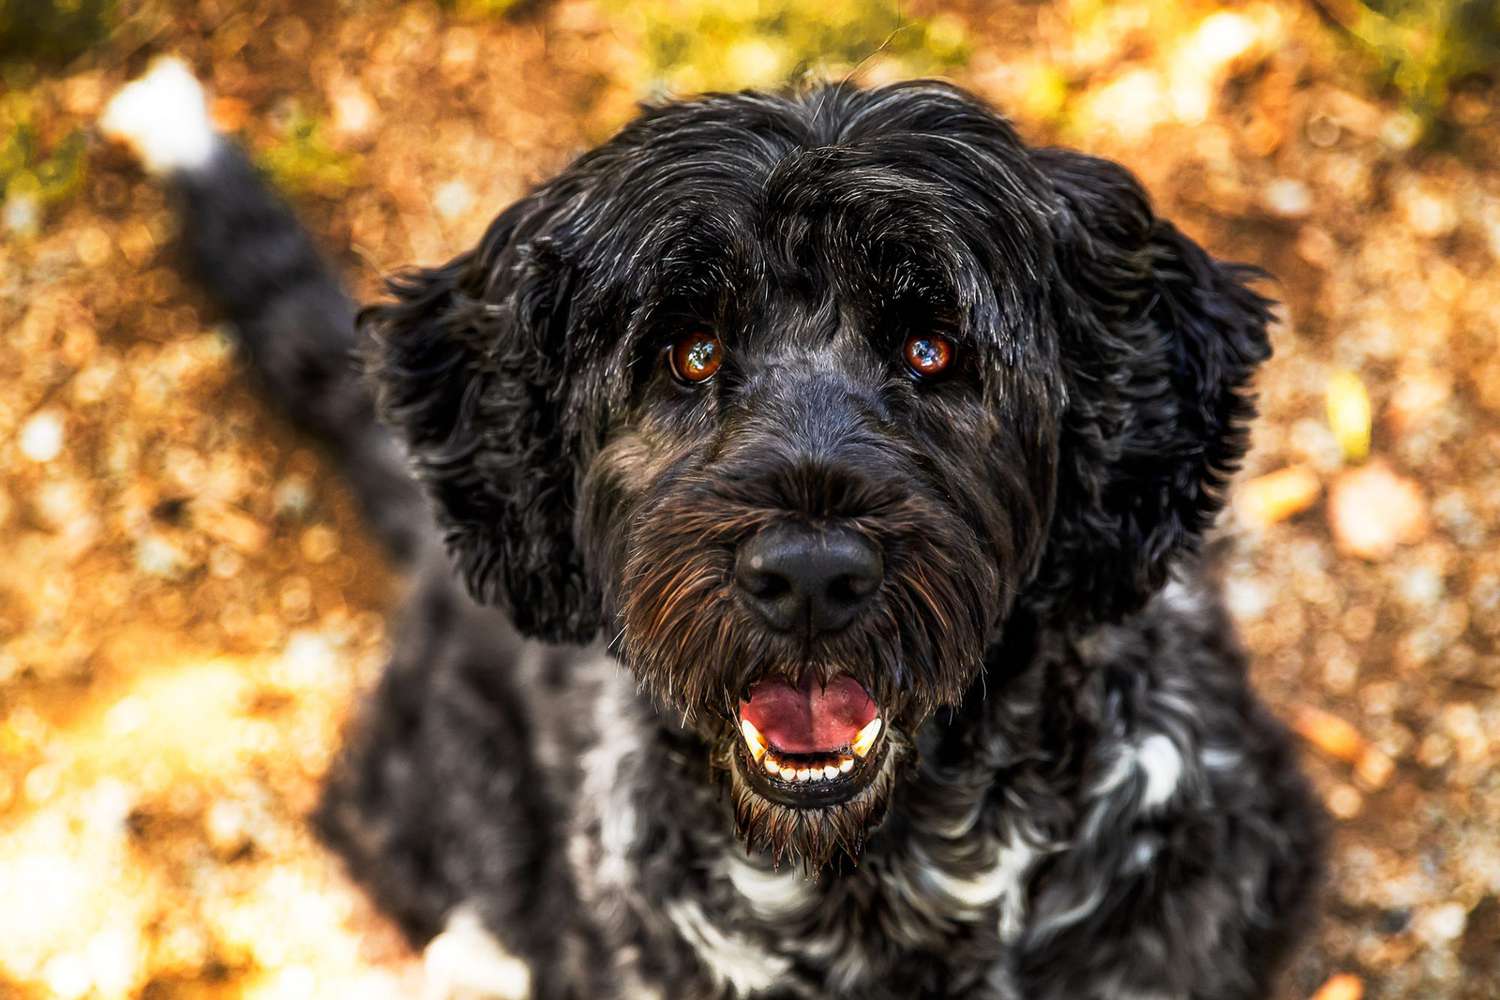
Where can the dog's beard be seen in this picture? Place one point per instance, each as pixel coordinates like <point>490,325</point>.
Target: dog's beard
<point>811,836</point>
<point>699,651</point>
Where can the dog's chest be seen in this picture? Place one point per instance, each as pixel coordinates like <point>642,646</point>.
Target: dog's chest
<point>939,895</point>
<point>919,907</point>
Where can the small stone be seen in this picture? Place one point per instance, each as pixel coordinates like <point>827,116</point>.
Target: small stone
<point>1418,398</point>
<point>1421,587</point>
<point>453,199</point>
<point>228,828</point>
<point>42,436</point>
<point>1467,730</point>
<point>1374,769</point>
<point>319,543</point>
<point>1427,211</point>
<point>67,976</point>
<point>155,556</point>
<point>292,497</point>
<point>1442,924</point>
<point>42,783</point>
<point>1401,130</point>
<point>93,247</point>
<point>21,215</point>
<point>296,599</point>
<point>224,562</point>
<point>353,111</point>
<point>1372,510</point>
<point>1345,802</point>
<point>234,528</point>
<point>1288,198</point>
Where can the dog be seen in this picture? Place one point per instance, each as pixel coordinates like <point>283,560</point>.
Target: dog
<point>815,603</point>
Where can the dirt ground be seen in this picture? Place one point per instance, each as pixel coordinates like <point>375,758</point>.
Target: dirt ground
<point>189,607</point>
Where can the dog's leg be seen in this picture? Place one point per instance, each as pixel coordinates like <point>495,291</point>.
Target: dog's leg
<point>284,303</point>
<point>444,804</point>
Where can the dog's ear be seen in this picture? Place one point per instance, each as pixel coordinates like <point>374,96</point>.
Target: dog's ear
<point>472,367</point>
<point>1158,343</point>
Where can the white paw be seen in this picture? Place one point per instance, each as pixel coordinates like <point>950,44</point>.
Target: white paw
<point>466,963</point>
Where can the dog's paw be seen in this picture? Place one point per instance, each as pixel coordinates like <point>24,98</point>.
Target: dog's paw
<point>465,962</point>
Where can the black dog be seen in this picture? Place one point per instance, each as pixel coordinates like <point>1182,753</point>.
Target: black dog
<point>870,448</point>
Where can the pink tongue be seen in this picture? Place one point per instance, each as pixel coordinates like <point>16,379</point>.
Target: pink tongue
<point>807,718</point>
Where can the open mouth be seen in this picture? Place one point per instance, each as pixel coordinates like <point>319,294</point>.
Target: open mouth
<point>810,744</point>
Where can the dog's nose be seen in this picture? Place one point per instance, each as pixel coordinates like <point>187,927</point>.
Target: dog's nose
<point>805,578</point>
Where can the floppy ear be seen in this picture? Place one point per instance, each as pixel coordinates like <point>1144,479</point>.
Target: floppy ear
<point>472,369</point>
<point>1158,345</point>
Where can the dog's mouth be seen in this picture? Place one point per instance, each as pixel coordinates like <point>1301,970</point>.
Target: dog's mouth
<point>810,744</point>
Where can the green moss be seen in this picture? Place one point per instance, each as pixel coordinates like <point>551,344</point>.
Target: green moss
<point>1424,47</point>
<point>304,162</point>
<point>483,8</point>
<point>33,177</point>
<point>698,45</point>
<point>52,31</point>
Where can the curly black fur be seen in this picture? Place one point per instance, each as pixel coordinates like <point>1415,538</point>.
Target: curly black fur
<point>1078,796</point>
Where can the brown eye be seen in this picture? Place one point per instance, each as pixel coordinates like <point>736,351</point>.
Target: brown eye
<point>927,355</point>
<point>696,357</point>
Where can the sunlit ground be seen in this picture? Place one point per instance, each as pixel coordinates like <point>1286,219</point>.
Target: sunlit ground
<point>189,607</point>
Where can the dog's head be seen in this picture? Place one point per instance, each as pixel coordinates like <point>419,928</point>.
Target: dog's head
<point>797,399</point>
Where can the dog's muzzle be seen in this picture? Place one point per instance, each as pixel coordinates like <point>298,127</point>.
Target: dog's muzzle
<point>808,742</point>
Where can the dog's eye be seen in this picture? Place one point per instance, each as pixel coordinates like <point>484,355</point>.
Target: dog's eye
<point>695,357</point>
<point>927,354</point>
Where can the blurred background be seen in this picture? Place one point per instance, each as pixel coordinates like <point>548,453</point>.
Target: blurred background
<point>189,607</point>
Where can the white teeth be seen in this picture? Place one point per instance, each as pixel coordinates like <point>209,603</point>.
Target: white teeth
<point>788,771</point>
<point>753,739</point>
<point>825,772</point>
<point>865,739</point>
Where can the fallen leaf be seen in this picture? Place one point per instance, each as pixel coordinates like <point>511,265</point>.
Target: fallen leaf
<point>1349,415</point>
<point>229,114</point>
<point>1329,733</point>
<point>233,528</point>
<point>1344,986</point>
<point>1277,495</point>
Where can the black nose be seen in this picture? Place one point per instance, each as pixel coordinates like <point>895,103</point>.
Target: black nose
<point>804,578</point>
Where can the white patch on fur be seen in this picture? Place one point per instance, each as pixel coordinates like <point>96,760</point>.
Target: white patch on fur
<point>1161,763</point>
<point>606,789</point>
<point>1002,884</point>
<point>773,894</point>
<point>733,961</point>
<point>465,962</point>
<point>1015,864</point>
<point>847,965</point>
<point>163,118</point>
<point>1180,596</point>
<point>1158,762</point>
<point>1219,759</point>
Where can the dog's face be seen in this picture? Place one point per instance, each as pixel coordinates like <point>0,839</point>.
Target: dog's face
<point>799,399</point>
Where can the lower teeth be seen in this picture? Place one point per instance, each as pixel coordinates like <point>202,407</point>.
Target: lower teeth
<point>801,774</point>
